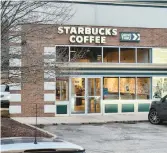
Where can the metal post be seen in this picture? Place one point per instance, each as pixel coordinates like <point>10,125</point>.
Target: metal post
<point>35,141</point>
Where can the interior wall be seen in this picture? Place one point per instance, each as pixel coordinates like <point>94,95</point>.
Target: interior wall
<point>111,84</point>
<point>127,56</point>
<point>143,56</point>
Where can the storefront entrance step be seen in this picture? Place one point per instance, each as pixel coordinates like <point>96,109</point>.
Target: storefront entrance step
<point>87,119</point>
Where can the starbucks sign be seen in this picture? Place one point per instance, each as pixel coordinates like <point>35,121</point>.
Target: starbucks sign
<point>87,34</point>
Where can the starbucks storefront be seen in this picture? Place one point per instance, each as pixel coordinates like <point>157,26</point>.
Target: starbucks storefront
<point>121,74</point>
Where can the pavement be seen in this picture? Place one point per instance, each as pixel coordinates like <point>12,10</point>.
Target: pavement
<point>84,119</point>
<point>115,137</point>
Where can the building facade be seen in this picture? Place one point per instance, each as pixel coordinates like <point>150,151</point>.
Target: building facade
<point>87,69</point>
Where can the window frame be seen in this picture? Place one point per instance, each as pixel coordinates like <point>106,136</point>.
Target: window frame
<point>136,87</point>
<point>102,52</point>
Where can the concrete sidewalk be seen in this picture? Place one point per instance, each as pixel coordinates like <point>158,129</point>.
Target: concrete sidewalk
<point>88,119</point>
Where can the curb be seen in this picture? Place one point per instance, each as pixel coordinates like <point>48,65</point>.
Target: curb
<point>89,123</point>
<point>129,122</point>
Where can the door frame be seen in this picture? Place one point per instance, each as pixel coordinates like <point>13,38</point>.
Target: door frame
<point>86,95</point>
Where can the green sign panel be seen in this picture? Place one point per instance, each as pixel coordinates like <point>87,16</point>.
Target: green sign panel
<point>129,36</point>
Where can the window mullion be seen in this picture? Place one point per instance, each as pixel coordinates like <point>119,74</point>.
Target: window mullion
<point>60,90</point>
<point>136,87</point>
<point>135,55</point>
<point>102,54</point>
<point>119,55</point>
<point>69,48</point>
<point>119,88</point>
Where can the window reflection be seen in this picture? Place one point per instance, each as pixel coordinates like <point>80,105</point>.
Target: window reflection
<point>143,88</point>
<point>159,87</point>
<point>110,54</point>
<point>85,54</point>
<point>62,54</point>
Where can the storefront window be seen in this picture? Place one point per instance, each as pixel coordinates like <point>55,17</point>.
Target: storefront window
<point>143,55</point>
<point>159,87</point>
<point>127,55</point>
<point>62,89</point>
<point>111,55</point>
<point>94,87</point>
<point>159,55</point>
<point>85,54</point>
<point>143,88</point>
<point>111,88</point>
<point>127,88</point>
<point>62,54</point>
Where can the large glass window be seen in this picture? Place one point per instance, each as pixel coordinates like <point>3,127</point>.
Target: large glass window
<point>85,54</point>
<point>62,54</point>
<point>143,88</point>
<point>62,89</point>
<point>159,55</point>
<point>111,88</point>
<point>127,55</point>
<point>127,88</point>
<point>111,55</point>
<point>143,55</point>
<point>159,87</point>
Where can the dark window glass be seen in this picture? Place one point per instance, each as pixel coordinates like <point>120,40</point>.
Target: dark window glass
<point>111,55</point>
<point>127,55</point>
<point>62,54</point>
<point>85,54</point>
<point>143,55</point>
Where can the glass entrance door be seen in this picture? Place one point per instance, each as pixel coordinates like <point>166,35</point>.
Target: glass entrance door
<point>94,95</point>
<point>77,95</point>
<point>85,95</point>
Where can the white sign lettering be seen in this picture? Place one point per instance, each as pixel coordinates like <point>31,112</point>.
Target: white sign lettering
<point>87,34</point>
